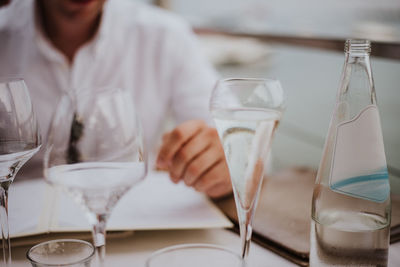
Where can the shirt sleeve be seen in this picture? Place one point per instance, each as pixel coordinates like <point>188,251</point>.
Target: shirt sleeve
<point>193,79</point>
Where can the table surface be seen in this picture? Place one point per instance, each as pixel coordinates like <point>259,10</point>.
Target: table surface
<point>133,250</point>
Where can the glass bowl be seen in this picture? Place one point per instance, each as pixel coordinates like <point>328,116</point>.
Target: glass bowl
<point>194,255</point>
<point>61,252</point>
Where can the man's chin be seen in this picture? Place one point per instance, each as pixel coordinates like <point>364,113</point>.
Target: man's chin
<point>82,2</point>
<point>82,8</point>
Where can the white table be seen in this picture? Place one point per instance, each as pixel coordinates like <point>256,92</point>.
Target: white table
<point>133,250</point>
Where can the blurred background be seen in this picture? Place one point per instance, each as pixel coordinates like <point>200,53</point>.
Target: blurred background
<point>376,20</point>
<point>301,43</point>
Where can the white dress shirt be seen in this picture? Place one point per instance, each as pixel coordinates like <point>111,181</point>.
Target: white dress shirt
<point>138,47</point>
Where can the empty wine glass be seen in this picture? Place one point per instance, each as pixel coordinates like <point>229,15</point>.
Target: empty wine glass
<point>19,141</point>
<point>95,152</point>
<point>246,113</point>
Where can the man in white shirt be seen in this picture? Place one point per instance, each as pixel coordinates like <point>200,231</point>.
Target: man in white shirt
<point>61,45</point>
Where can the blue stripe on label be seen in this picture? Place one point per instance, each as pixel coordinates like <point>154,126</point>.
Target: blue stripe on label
<point>373,186</point>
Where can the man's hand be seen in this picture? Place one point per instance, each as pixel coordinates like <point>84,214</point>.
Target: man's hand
<point>193,153</point>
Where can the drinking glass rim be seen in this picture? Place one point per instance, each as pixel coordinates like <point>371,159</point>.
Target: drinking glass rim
<point>83,90</point>
<point>10,79</point>
<point>190,246</point>
<point>250,79</point>
<point>61,240</point>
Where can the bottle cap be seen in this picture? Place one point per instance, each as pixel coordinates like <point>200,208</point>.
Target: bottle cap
<point>358,46</point>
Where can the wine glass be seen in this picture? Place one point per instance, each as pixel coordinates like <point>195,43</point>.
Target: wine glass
<point>19,141</point>
<point>95,152</point>
<point>246,113</point>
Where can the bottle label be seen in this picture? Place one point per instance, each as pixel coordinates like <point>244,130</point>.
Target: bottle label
<point>359,164</point>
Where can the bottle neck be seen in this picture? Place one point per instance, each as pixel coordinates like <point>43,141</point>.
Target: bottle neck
<point>357,85</point>
<point>356,58</point>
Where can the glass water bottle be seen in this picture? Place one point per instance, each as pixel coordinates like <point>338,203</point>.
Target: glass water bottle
<point>351,201</point>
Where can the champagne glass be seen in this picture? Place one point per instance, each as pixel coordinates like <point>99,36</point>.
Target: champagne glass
<point>95,152</point>
<point>246,113</point>
<point>19,141</point>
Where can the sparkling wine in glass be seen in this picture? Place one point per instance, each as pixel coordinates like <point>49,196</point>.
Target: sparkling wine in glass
<point>19,141</point>
<point>246,113</point>
<point>95,152</point>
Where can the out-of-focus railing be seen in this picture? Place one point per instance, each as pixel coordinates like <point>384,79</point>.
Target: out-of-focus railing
<point>309,23</point>
<point>379,48</point>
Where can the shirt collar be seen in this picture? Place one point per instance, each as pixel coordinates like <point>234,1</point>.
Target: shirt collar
<point>99,40</point>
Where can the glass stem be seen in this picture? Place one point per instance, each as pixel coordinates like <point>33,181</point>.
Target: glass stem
<point>99,238</point>
<point>5,234</point>
<point>245,233</point>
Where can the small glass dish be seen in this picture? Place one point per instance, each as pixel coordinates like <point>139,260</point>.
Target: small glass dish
<point>194,255</point>
<point>61,252</point>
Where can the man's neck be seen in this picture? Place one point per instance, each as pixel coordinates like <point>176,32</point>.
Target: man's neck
<point>67,34</point>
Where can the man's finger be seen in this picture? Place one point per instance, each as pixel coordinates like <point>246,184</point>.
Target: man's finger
<point>201,164</point>
<point>218,174</point>
<point>191,149</point>
<point>175,139</point>
<point>220,190</point>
